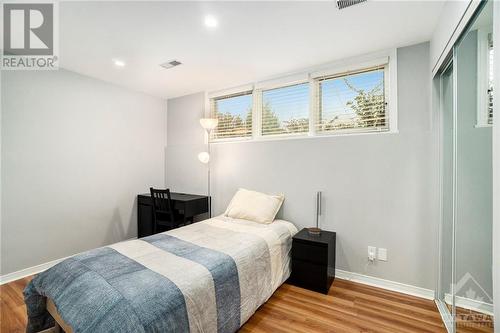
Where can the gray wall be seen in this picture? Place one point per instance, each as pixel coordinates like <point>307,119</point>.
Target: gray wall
<point>75,152</point>
<point>185,140</point>
<point>379,190</point>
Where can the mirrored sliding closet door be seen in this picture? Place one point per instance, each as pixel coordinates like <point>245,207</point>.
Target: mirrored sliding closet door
<point>465,290</point>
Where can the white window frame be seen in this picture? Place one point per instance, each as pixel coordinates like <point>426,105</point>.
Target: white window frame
<point>483,75</point>
<point>283,82</point>
<point>349,71</point>
<point>226,92</point>
<point>386,57</point>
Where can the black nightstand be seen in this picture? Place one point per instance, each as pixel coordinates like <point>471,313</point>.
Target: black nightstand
<point>313,260</point>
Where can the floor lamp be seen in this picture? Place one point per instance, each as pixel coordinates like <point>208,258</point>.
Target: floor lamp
<point>208,124</point>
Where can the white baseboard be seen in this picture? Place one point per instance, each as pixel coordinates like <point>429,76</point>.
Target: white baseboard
<point>345,275</point>
<point>385,284</point>
<point>470,304</point>
<point>28,271</point>
<point>36,269</point>
<point>462,302</point>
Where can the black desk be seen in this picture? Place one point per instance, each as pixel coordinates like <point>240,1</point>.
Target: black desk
<point>189,205</point>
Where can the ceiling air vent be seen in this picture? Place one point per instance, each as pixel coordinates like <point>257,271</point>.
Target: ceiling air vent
<point>341,4</point>
<point>170,64</point>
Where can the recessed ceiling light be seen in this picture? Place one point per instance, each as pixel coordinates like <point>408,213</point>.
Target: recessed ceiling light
<point>119,63</point>
<point>210,21</point>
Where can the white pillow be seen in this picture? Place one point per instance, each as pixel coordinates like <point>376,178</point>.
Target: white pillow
<point>254,206</point>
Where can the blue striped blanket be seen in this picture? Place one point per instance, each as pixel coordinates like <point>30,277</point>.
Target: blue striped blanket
<point>210,276</point>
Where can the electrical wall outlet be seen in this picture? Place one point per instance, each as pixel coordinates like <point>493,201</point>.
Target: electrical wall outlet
<point>372,253</point>
<point>382,254</point>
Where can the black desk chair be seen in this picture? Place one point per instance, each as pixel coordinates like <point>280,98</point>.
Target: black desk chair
<point>163,210</point>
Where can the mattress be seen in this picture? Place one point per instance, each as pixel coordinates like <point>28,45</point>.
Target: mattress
<point>210,276</point>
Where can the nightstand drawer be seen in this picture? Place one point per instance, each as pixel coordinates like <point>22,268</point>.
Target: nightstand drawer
<point>310,252</point>
<point>309,275</point>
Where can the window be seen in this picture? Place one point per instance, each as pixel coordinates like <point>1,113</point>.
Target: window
<point>349,97</point>
<point>352,101</point>
<point>235,115</point>
<point>285,110</point>
<point>485,75</point>
<point>491,76</point>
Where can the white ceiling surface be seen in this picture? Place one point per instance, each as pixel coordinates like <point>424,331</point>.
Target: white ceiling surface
<point>253,40</point>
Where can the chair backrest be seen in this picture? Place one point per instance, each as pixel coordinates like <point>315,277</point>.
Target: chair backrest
<point>162,205</point>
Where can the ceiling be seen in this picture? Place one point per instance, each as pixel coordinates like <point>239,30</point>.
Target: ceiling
<point>253,40</point>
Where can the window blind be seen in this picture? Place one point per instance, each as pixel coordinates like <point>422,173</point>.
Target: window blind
<point>352,101</point>
<point>285,110</point>
<point>235,115</point>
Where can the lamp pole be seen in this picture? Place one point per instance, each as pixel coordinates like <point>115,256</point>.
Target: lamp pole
<point>209,124</point>
<point>208,180</point>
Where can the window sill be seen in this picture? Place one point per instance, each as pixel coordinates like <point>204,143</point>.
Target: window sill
<point>301,137</point>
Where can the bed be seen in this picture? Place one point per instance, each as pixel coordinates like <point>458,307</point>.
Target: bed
<point>210,276</point>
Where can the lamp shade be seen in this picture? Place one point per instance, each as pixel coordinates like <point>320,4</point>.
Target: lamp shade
<point>209,123</point>
<point>204,157</point>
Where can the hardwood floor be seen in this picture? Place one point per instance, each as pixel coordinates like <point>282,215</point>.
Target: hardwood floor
<point>349,307</point>
<point>12,308</point>
<point>470,321</point>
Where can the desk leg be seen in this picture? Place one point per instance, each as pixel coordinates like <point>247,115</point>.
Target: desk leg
<point>145,220</point>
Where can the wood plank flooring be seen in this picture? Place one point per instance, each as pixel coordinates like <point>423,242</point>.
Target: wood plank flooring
<point>470,321</point>
<point>349,307</point>
<point>12,308</point>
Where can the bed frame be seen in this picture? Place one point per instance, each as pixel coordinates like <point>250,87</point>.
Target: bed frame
<point>60,324</point>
